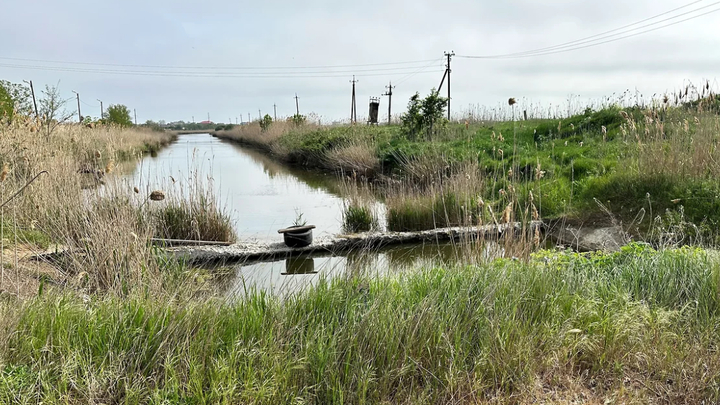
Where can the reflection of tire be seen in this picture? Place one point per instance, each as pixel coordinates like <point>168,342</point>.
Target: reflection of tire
<point>299,265</point>
<point>298,239</point>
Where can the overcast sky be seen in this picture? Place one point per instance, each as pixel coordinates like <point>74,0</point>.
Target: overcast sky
<point>291,34</point>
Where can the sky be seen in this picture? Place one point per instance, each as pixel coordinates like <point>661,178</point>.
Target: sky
<point>191,59</point>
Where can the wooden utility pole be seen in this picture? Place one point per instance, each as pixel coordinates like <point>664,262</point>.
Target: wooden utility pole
<point>208,117</point>
<point>193,117</point>
<point>135,114</point>
<point>389,94</point>
<point>449,57</point>
<point>297,105</point>
<point>249,120</point>
<point>259,115</point>
<point>32,91</point>
<point>353,107</point>
<point>102,111</point>
<point>78,102</point>
<point>275,112</point>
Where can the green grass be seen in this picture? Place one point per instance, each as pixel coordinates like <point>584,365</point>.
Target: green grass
<point>357,218</point>
<point>493,331</point>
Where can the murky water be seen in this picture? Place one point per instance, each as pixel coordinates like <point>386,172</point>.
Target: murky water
<point>263,196</point>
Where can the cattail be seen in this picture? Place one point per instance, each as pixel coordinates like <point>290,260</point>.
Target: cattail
<point>511,101</point>
<point>507,214</point>
<point>157,195</point>
<point>136,190</point>
<point>4,173</point>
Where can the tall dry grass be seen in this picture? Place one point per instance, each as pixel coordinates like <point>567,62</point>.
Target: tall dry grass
<point>104,233</point>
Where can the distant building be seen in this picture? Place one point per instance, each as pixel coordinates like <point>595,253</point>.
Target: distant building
<point>206,122</point>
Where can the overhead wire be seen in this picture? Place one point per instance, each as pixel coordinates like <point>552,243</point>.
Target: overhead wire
<point>599,39</point>
<point>214,67</point>
<point>297,75</point>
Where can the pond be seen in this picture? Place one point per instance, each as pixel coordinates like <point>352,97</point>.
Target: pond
<point>262,196</point>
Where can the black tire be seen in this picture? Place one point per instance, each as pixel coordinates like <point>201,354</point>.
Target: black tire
<point>298,239</point>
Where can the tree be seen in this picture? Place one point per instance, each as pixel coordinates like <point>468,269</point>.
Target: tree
<point>52,109</point>
<point>266,122</point>
<point>14,98</point>
<point>118,114</point>
<point>423,114</point>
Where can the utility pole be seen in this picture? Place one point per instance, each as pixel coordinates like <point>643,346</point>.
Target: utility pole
<point>259,115</point>
<point>449,56</point>
<point>193,117</point>
<point>389,94</point>
<point>275,112</point>
<point>249,120</point>
<point>78,101</point>
<point>32,91</point>
<point>297,105</point>
<point>208,117</point>
<point>353,107</point>
<point>235,120</point>
<point>102,111</point>
<point>135,113</point>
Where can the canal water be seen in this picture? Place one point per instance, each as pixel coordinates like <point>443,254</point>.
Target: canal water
<point>262,196</point>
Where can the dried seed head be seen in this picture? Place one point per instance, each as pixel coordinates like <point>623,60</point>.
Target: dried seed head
<point>109,167</point>
<point>511,101</point>
<point>157,195</point>
<point>4,173</point>
<point>136,190</point>
<point>666,99</point>
<point>604,130</point>
<point>535,214</point>
<point>624,114</point>
<point>507,214</point>
<point>98,155</point>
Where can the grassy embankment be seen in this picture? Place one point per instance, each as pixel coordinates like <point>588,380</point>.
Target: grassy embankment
<point>125,324</point>
<point>633,163</point>
<point>104,230</point>
<point>638,326</point>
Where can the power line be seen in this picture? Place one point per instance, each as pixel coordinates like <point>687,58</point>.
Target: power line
<point>578,44</point>
<point>419,71</point>
<point>288,75</point>
<point>217,67</point>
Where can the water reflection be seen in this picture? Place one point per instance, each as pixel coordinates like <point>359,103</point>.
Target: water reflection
<point>261,196</point>
<point>295,274</point>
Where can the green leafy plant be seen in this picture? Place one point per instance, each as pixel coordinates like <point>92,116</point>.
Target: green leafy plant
<point>266,122</point>
<point>118,114</point>
<point>423,115</point>
<point>299,220</point>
